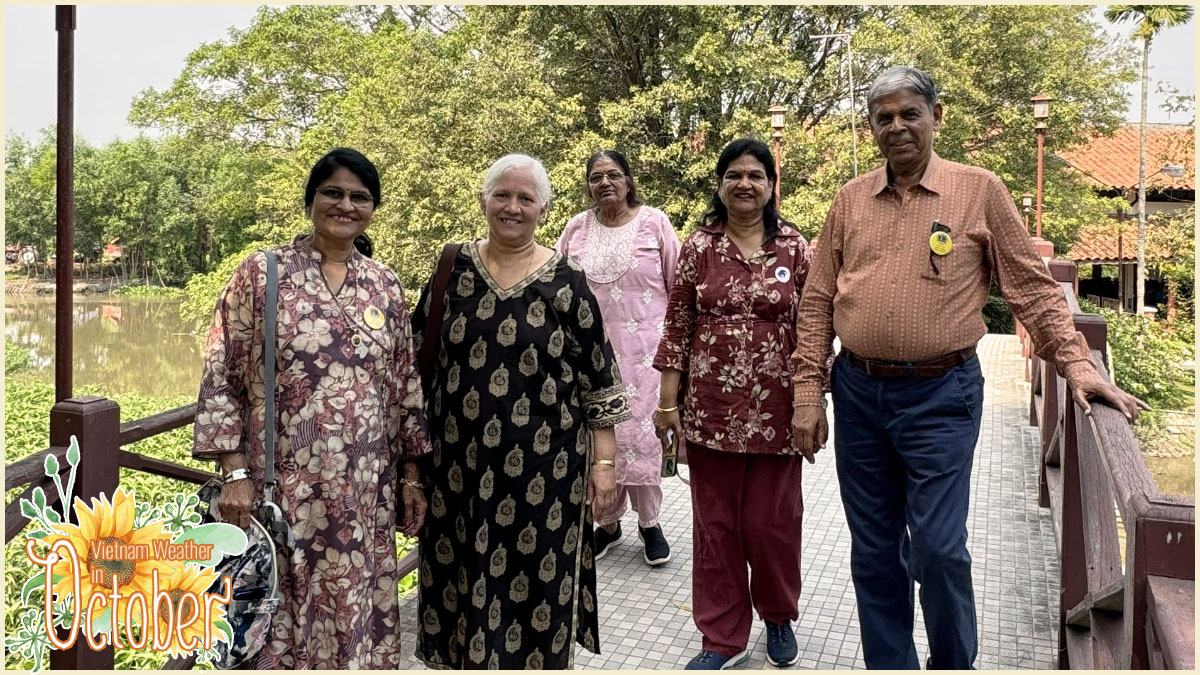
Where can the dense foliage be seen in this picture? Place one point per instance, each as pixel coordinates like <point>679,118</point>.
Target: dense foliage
<point>1149,357</point>
<point>435,94</point>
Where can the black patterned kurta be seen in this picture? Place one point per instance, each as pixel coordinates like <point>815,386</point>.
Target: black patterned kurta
<point>507,574</point>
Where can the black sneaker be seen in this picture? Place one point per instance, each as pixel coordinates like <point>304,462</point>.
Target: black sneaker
<point>657,550</point>
<point>781,644</point>
<point>605,541</point>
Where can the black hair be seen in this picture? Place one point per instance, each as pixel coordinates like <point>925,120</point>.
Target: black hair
<point>364,244</point>
<point>758,150</point>
<point>631,197</point>
<point>346,158</point>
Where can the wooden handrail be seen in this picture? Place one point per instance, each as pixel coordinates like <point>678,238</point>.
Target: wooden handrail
<point>161,467</point>
<point>14,522</point>
<point>1114,612</point>
<point>32,467</point>
<point>169,420</point>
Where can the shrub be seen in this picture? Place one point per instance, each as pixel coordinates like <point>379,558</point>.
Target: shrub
<point>16,358</point>
<point>1148,355</point>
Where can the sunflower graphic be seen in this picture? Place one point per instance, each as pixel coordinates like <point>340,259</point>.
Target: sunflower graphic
<point>193,579</point>
<point>105,525</point>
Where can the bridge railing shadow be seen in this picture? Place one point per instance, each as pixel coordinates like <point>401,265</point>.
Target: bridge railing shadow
<point>1125,602</point>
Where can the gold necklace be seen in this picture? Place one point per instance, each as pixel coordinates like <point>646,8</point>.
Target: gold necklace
<point>487,261</point>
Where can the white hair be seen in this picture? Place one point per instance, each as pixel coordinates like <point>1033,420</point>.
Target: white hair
<point>541,180</point>
<point>902,78</point>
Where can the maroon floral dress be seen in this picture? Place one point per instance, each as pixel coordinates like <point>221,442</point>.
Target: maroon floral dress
<point>349,406</point>
<point>731,329</point>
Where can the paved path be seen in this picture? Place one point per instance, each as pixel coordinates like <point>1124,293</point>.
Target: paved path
<point>645,613</point>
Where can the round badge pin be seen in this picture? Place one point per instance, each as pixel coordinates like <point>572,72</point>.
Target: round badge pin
<point>373,317</point>
<point>783,274</point>
<point>940,243</point>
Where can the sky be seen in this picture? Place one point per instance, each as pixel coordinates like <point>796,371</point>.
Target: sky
<point>120,51</point>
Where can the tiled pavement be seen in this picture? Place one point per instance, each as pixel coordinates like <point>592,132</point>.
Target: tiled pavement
<point>645,617</point>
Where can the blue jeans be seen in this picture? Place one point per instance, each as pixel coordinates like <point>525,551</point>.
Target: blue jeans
<point>904,449</point>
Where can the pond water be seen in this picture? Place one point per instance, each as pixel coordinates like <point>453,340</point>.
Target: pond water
<point>122,345</point>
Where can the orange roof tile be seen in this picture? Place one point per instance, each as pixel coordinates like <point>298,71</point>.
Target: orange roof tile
<point>1112,162</point>
<point>1099,244</point>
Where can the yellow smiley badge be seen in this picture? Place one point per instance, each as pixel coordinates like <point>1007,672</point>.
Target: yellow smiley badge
<point>940,243</point>
<point>373,317</point>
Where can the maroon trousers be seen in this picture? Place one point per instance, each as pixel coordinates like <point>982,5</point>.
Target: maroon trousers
<point>746,510</point>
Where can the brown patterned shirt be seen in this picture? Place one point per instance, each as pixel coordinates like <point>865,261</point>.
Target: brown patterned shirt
<point>876,284</point>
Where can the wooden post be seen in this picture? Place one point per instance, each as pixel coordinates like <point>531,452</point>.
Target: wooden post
<point>1072,561</point>
<point>96,423</point>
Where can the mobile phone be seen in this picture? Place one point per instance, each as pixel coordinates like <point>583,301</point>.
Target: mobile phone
<point>670,455</point>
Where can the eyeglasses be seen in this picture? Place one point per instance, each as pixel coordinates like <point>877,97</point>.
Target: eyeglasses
<point>334,195</point>
<point>612,176</point>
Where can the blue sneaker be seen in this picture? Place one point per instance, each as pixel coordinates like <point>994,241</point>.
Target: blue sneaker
<point>707,660</point>
<point>781,644</point>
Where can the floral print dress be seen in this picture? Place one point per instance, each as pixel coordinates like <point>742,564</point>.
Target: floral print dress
<point>349,406</point>
<point>731,329</point>
<point>507,577</point>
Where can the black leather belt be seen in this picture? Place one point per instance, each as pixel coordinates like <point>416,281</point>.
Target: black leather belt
<point>931,368</point>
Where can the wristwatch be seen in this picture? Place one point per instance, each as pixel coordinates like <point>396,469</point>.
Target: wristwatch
<point>237,474</point>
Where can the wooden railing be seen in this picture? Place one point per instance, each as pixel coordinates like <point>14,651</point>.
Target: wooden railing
<point>96,424</point>
<point>1120,607</point>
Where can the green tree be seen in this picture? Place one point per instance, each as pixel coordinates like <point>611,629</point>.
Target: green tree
<point>1150,19</point>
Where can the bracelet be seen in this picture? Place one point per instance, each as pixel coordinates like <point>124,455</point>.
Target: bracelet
<point>604,462</point>
<point>236,474</point>
<point>665,410</point>
<point>412,483</point>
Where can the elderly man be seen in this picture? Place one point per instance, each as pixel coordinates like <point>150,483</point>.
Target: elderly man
<point>901,275</point>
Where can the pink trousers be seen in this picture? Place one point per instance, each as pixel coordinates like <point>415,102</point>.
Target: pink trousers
<point>646,501</point>
<point>746,511</point>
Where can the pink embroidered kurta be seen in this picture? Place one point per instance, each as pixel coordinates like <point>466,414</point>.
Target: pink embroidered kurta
<point>349,408</point>
<point>731,328</point>
<point>629,269</point>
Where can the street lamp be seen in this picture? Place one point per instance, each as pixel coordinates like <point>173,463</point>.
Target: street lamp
<point>1041,112</point>
<point>778,116</point>
<point>1026,207</point>
<point>845,37</point>
<point>1172,170</point>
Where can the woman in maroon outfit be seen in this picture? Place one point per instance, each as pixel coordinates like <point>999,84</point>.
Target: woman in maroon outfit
<point>731,327</point>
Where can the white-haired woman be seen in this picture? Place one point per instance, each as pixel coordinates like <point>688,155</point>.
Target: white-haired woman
<point>521,407</point>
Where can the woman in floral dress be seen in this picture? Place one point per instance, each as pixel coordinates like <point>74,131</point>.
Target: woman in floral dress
<point>628,251</point>
<point>731,328</point>
<point>349,411</point>
<point>524,397</point>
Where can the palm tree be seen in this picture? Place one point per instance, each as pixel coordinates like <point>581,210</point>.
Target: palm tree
<point>1150,20</point>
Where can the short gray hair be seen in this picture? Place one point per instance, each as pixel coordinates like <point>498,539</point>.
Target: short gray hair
<point>902,78</point>
<point>541,180</point>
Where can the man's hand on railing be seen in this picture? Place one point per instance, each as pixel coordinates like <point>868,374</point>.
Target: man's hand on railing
<point>1097,388</point>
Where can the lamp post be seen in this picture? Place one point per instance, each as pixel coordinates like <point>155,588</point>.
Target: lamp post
<point>845,37</point>
<point>1041,112</point>
<point>778,116</point>
<point>1026,207</point>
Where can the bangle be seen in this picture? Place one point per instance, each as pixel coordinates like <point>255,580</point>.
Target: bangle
<point>236,474</point>
<point>412,483</point>
<point>665,410</point>
<point>604,462</point>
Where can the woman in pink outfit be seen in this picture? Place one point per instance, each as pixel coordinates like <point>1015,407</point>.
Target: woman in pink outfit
<point>628,251</point>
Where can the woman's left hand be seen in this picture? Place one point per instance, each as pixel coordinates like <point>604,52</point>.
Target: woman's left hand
<point>602,489</point>
<point>413,499</point>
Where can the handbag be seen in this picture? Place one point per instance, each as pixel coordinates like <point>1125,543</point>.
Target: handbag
<point>427,357</point>
<point>254,575</point>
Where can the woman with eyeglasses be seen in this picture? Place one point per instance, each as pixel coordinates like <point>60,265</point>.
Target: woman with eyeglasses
<point>349,419</point>
<point>628,251</point>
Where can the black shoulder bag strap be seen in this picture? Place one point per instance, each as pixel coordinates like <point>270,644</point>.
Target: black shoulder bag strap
<point>272,515</point>
<point>426,358</point>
